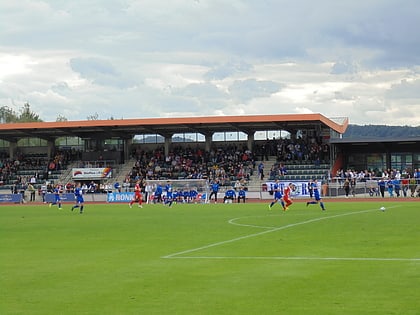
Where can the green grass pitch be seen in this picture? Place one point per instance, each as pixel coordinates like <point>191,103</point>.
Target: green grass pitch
<point>211,259</point>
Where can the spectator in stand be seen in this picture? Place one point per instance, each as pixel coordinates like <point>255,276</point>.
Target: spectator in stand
<point>346,187</point>
<point>261,170</point>
<point>237,185</point>
<point>126,184</point>
<point>390,187</point>
<point>43,192</point>
<point>413,186</point>
<point>405,184</point>
<point>31,190</point>
<point>282,170</point>
<point>397,186</point>
<point>117,187</point>
<point>33,179</point>
<point>382,185</point>
<point>416,176</point>
<point>353,186</point>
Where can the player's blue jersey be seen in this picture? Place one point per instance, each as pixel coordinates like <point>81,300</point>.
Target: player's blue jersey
<point>158,190</point>
<point>241,193</point>
<point>78,191</point>
<point>57,194</point>
<point>317,196</point>
<point>168,189</point>
<point>215,187</point>
<point>277,191</point>
<point>193,193</point>
<point>230,193</point>
<point>381,183</point>
<point>78,194</point>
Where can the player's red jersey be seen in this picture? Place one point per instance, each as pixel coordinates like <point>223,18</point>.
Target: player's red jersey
<point>286,192</point>
<point>137,191</point>
<point>286,196</point>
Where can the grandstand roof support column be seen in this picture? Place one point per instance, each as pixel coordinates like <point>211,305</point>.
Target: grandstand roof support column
<point>208,142</point>
<point>50,148</point>
<point>250,141</point>
<point>127,148</point>
<point>168,141</point>
<point>12,149</point>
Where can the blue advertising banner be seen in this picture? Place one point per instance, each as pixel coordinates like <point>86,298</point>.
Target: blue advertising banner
<point>120,197</point>
<point>11,198</point>
<point>65,197</point>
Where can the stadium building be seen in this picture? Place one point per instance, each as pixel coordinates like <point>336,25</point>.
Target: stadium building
<point>307,145</point>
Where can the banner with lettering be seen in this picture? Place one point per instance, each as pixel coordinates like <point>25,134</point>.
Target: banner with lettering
<point>12,198</point>
<point>301,187</point>
<point>91,173</point>
<point>120,197</point>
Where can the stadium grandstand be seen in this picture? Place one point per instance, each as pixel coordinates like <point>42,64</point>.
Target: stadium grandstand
<point>109,156</point>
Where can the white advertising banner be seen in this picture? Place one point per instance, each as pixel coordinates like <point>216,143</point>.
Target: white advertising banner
<point>91,173</point>
<point>301,187</point>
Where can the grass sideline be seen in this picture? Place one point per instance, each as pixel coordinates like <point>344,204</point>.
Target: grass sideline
<point>211,259</point>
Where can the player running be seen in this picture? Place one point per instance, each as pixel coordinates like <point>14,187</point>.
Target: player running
<point>317,196</point>
<point>79,200</point>
<point>137,195</point>
<point>169,194</point>
<point>57,198</point>
<point>286,195</point>
<point>278,197</point>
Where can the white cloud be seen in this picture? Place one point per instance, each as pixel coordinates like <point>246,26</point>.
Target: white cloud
<point>197,57</point>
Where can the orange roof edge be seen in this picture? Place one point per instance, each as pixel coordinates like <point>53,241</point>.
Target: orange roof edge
<point>340,128</point>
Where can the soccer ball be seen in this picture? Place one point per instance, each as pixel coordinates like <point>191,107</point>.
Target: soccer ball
<point>382,208</point>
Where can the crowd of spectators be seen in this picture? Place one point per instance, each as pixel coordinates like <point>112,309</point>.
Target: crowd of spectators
<point>225,163</point>
<point>394,182</point>
<point>299,150</point>
<point>30,168</point>
<point>362,176</point>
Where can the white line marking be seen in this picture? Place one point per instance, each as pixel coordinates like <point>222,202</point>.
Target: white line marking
<point>296,258</point>
<point>264,232</point>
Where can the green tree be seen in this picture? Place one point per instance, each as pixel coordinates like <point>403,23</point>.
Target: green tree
<point>8,115</point>
<point>26,115</point>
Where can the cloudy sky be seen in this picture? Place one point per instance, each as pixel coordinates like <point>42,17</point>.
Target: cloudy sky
<point>180,58</point>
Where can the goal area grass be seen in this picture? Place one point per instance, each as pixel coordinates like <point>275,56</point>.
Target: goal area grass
<point>228,259</point>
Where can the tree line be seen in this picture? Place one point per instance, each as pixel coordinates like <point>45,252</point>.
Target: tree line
<point>25,114</point>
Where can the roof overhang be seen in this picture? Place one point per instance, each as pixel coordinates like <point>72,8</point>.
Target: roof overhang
<point>127,128</point>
